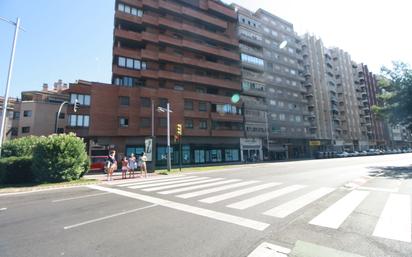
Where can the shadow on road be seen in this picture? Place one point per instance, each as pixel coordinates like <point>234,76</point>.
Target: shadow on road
<point>396,172</point>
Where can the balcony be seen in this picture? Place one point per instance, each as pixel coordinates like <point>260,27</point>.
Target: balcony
<point>212,81</point>
<point>254,92</point>
<point>136,36</point>
<point>228,133</point>
<point>181,10</point>
<point>222,10</point>
<point>226,117</point>
<point>127,52</point>
<point>194,30</point>
<point>218,52</point>
<point>255,118</point>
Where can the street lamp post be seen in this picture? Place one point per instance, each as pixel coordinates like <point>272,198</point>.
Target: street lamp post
<point>168,111</point>
<point>58,116</point>
<point>6,95</point>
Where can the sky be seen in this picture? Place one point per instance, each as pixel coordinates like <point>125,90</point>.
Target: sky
<point>71,40</point>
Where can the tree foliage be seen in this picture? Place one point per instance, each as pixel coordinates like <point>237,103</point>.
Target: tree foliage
<point>396,95</point>
<point>21,147</point>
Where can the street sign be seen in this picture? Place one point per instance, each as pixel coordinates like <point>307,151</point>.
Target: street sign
<point>148,148</point>
<point>314,143</point>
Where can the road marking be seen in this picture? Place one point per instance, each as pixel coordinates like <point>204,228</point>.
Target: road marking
<point>395,220</point>
<point>135,183</point>
<point>179,190</point>
<point>269,250</point>
<point>264,197</point>
<point>3,209</point>
<point>216,189</point>
<point>394,190</point>
<point>181,184</point>
<point>78,197</point>
<point>233,194</point>
<point>166,183</point>
<point>290,207</point>
<point>108,217</point>
<point>305,249</point>
<point>336,214</point>
<point>189,209</point>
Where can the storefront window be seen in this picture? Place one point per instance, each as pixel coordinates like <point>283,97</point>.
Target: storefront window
<point>214,155</point>
<point>186,154</point>
<point>199,156</point>
<point>137,150</point>
<point>231,155</point>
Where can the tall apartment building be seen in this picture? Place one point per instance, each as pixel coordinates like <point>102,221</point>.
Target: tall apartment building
<point>378,133</point>
<point>35,113</point>
<point>181,52</point>
<point>339,109</point>
<point>273,94</point>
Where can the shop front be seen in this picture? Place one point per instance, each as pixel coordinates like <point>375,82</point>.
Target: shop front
<point>251,149</point>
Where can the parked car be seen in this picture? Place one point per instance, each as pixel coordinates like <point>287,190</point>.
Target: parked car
<point>363,153</point>
<point>97,163</point>
<point>343,154</point>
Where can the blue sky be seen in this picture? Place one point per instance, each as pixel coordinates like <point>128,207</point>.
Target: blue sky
<point>72,40</point>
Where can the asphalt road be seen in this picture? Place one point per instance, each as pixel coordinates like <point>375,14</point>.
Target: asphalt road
<point>358,206</point>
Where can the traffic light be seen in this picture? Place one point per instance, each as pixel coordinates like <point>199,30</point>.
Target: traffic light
<point>179,129</point>
<point>76,105</point>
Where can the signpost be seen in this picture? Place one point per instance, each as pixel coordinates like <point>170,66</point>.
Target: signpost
<point>148,142</point>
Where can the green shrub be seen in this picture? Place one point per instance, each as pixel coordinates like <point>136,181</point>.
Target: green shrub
<point>21,146</point>
<point>60,158</point>
<point>16,170</point>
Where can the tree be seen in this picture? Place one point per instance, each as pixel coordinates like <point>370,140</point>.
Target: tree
<point>396,95</point>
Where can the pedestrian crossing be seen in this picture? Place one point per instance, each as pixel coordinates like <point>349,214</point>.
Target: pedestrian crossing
<point>394,221</point>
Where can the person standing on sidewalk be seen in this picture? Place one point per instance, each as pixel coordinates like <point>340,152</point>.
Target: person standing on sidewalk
<point>111,164</point>
<point>143,167</point>
<point>125,167</point>
<point>132,165</point>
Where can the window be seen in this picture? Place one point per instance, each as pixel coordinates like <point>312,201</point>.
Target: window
<point>272,102</point>
<point>14,132</point>
<point>203,124</point>
<point>60,130</point>
<point>200,90</point>
<point>131,63</point>
<point>25,130</point>
<point>179,87</point>
<point>188,104</point>
<point>79,120</point>
<point>298,118</point>
<point>163,122</point>
<point>16,115</point>
<point>189,123</point>
<point>282,116</point>
<point>251,59</point>
<point>130,10</point>
<point>27,113</point>
<point>203,106</point>
<point>124,100</point>
<point>144,122</point>
<point>145,102</point>
<point>231,155</point>
<point>123,122</point>
<point>81,99</point>
<point>163,102</point>
<point>128,82</point>
<point>62,115</point>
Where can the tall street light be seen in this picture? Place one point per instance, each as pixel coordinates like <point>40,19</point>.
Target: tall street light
<point>6,95</point>
<point>168,111</point>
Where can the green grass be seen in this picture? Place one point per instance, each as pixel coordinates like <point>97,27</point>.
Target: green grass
<point>194,169</point>
<point>33,186</point>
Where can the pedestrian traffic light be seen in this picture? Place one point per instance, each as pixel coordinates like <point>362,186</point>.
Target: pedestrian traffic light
<point>179,129</point>
<point>76,105</point>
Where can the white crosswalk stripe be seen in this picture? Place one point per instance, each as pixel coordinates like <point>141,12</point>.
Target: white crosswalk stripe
<point>237,193</point>
<point>166,183</point>
<point>290,207</point>
<point>181,184</point>
<point>135,183</point>
<point>264,197</point>
<point>336,214</point>
<point>216,189</point>
<point>179,190</point>
<point>395,219</point>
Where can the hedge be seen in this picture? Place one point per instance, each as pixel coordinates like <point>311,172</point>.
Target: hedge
<point>21,146</point>
<point>60,158</point>
<point>16,170</point>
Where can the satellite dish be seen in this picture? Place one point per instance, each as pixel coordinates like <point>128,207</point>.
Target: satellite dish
<point>283,44</point>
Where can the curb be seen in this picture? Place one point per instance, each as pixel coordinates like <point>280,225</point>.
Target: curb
<point>26,190</point>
